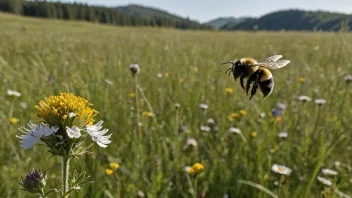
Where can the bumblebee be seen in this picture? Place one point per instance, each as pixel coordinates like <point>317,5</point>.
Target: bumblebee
<point>257,73</point>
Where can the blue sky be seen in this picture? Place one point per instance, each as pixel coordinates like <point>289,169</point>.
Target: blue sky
<point>204,10</point>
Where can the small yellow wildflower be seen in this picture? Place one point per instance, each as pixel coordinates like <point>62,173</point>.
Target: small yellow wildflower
<point>64,117</point>
<point>335,118</point>
<point>181,80</point>
<point>235,115</point>
<point>132,95</point>
<point>108,171</point>
<point>278,119</point>
<point>198,168</point>
<point>166,74</point>
<point>254,134</point>
<point>191,171</point>
<point>13,121</point>
<point>147,114</point>
<point>302,79</point>
<point>243,112</point>
<point>230,118</point>
<point>114,165</point>
<point>195,69</point>
<point>228,90</point>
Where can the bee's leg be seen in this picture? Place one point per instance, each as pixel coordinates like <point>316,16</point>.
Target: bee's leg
<point>241,81</point>
<point>255,85</point>
<point>248,85</point>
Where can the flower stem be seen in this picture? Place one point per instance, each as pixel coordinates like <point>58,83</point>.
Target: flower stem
<point>343,101</point>
<point>317,121</point>
<point>65,174</point>
<point>137,102</point>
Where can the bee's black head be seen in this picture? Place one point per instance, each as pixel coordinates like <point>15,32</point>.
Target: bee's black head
<point>235,69</point>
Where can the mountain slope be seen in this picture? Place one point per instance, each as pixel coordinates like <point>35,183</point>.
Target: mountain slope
<point>294,20</point>
<point>156,15</point>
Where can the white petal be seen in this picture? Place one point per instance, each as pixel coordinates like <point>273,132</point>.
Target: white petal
<point>73,132</point>
<point>71,114</point>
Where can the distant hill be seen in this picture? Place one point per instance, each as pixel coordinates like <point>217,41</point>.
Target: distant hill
<point>156,15</point>
<point>132,15</point>
<point>295,20</point>
<point>219,22</point>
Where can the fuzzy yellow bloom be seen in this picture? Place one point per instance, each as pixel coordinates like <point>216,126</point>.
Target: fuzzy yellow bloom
<point>302,79</point>
<point>108,171</point>
<point>228,90</point>
<point>235,115</point>
<point>166,74</point>
<point>191,171</point>
<point>278,119</point>
<point>13,121</point>
<point>197,168</point>
<point>254,134</point>
<point>54,110</point>
<point>243,112</point>
<point>147,114</point>
<point>195,69</point>
<point>230,118</point>
<point>335,118</point>
<point>114,165</point>
<point>132,95</point>
<point>181,80</point>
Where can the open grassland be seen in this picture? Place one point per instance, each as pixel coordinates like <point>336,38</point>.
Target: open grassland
<point>40,58</point>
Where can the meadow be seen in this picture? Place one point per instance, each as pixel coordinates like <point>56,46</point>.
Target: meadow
<point>40,58</point>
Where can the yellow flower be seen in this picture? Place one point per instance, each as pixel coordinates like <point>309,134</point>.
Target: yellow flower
<point>197,168</point>
<point>108,171</point>
<point>166,74</point>
<point>229,90</point>
<point>230,118</point>
<point>53,110</point>
<point>278,119</point>
<point>64,117</point>
<point>335,118</point>
<point>235,115</point>
<point>14,121</point>
<point>147,114</point>
<point>181,80</point>
<point>132,95</point>
<point>191,171</point>
<point>114,165</point>
<point>302,79</point>
<point>243,112</point>
<point>195,69</point>
<point>254,134</point>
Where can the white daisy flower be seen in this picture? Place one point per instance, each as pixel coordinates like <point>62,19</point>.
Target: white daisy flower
<point>205,128</point>
<point>283,134</point>
<point>337,163</point>
<point>320,101</point>
<point>235,130</point>
<point>192,142</point>
<point>73,132</point>
<point>34,134</point>
<point>283,170</point>
<point>159,75</point>
<point>97,135</point>
<point>13,93</point>
<point>24,105</point>
<point>211,121</point>
<point>204,106</point>
<point>304,98</point>
<point>281,106</point>
<point>327,171</point>
<point>324,181</point>
<point>348,78</point>
<point>109,81</point>
<point>71,114</point>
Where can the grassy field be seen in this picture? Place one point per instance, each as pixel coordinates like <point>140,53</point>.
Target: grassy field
<point>40,58</point>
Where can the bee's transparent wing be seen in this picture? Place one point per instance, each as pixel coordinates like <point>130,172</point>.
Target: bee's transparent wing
<point>272,62</point>
<point>272,59</point>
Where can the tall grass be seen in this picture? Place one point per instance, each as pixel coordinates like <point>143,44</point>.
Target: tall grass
<point>40,58</point>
